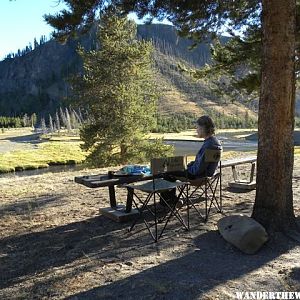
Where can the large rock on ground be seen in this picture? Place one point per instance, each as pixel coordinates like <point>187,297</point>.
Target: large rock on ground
<point>243,232</point>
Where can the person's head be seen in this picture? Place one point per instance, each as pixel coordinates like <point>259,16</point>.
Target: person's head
<point>205,127</point>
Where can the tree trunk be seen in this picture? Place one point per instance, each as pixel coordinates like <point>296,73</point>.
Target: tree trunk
<point>123,153</point>
<point>273,206</point>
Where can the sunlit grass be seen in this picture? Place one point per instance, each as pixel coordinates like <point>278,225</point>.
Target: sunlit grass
<point>49,153</point>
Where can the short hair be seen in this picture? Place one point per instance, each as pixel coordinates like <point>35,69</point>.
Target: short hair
<point>207,123</point>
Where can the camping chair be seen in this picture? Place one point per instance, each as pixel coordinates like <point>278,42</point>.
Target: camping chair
<point>206,189</point>
<point>153,189</point>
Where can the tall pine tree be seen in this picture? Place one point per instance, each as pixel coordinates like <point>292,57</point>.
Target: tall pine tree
<point>118,89</point>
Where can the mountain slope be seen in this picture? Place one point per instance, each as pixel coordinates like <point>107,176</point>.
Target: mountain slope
<point>36,82</point>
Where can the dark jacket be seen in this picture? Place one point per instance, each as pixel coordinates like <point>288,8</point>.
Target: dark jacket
<point>199,167</point>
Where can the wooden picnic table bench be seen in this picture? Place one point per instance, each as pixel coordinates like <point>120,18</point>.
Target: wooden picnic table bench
<point>239,183</point>
<point>121,213</point>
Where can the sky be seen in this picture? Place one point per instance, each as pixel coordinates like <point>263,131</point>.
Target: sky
<point>22,20</point>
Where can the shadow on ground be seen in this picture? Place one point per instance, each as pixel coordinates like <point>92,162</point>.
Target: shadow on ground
<point>211,263</point>
<point>35,252</point>
<point>30,138</point>
<point>191,275</point>
<point>28,205</point>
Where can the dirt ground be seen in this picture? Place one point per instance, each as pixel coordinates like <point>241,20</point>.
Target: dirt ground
<point>55,245</point>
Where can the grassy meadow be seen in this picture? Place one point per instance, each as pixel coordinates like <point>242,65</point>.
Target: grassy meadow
<point>50,150</point>
<point>48,153</point>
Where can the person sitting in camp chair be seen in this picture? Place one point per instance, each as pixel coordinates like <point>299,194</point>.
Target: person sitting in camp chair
<point>199,167</point>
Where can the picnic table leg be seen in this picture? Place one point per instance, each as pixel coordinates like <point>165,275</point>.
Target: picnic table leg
<point>112,192</point>
<point>129,200</point>
<point>234,173</point>
<point>112,196</point>
<point>252,171</point>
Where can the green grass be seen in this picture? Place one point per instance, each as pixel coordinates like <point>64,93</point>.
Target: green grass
<point>48,153</point>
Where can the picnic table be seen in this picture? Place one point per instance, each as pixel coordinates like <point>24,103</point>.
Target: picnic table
<point>122,213</point>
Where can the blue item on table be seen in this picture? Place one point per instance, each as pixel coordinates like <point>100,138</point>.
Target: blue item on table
<point>135,170</point>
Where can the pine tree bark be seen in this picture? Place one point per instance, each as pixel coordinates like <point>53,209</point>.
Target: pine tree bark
<point>273,206</point>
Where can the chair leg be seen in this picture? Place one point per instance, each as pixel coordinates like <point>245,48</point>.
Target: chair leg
<point>154,214</point>
<point>218,204</point>
<point>141,210</point>
<point>210,192</point>
<point>221,204</point>
<point>188,206</point>
<point>154,237</point>
<point>213,199</point>
<point>155,218</point>
<point>206,212</point>
<point>174,212</point>
<point>190,202</point>
<point>185,192</point>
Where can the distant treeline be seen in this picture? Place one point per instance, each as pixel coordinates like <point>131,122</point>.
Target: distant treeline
<point>236,121</point>
<point>69,118</point>
<point>64,118</point>
<point>17,122</point>
<point>174,123</point>
<point>28,48</point>
<point>180,122</point>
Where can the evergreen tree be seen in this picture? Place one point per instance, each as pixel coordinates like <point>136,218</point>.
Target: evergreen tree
<point>63,118</point>
<point>74,118</point>
<point>43,126</point>
<point>68,120</point>
<point>35,43</point>
<point>33,120</point>
<point>54,127</point>
<point>57,121</point>
<point>247,121</point>
<point>26,121</point>
<point>51,127</point>
<point>118,89</point>
<point>43,39</point>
